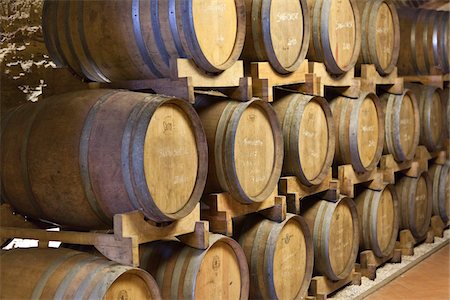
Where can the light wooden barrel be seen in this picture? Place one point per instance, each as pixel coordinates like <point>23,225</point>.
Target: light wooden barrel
<point>245,147</point>
<point>380,35</point>
<point>402,125</point>
<point>77,159</point>
<point>68,274</point>
<point>130,39</point>
<point>335,231</point>
<point>378,220</point>
<point>335,34</point>
<point>432,115</point>
<point>440,177</point>
<point>425,41</point>
<point>182,272</point>
<point>359,131</point>
<point>415,204</point>
<point>278,31</point>
<point>280,257</point>
<point>309,139</point>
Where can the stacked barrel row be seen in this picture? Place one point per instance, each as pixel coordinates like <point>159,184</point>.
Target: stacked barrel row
<point>78,159</point>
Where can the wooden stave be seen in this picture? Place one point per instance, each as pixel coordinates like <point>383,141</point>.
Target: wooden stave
<point>391,106</point>
<point>405,188</point>
<point>93,210</point>
<point>260,264</point>
<point>439,176</point>
<point>142,63</point>
<point>368,54</point>
<point>258,45</point>
<point>347,149</point>
<point>225,114</point>
<point>366,203</point>
<point>322,263</point>
<point>83,276</point>
<point>179,258</point>
<point>291,118</point>
<point>316,50</point>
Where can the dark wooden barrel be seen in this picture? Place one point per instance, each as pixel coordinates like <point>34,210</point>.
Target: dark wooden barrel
<point>415,204</point>
<point>245,147</point>
<point>440,177</point>
<point>402,125</point>
<point>378,220</point>
<point>359,131</point>
<point>380,35</point>
<point>182,272</point>
<point>37,273</point>
<point>335,34</point>
<point>432,115</point>
<point>309,138</point>
<point>278,31</point>
<point>280,257</point>
<point>335,231</point>
<point>130,40</point>
<point>77,159</point>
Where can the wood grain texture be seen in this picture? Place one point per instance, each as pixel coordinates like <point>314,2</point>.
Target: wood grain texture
<point>182,272</point>
<point>278,31</point>
<point>88,155</point>
<point>309,136</point>
<point>69,274</point>
<point>246,147</point>
<point>280,257</point>
<point>440,176</point>
<point>379,220</point>
<point>402,125</point>
<point>141,39</point>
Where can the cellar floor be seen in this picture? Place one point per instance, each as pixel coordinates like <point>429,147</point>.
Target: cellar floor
<point>430,279</point>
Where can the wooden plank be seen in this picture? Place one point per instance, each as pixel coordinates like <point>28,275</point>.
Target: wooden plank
<point>370,79</point>
<point>348,178</point>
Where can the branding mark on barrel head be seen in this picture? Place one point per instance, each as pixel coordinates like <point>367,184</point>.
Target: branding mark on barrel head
<point>216,263</point>
<point>287,238</point>
<point>123,295</point>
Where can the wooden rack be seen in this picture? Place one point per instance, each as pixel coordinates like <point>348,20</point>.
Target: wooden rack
<point>369,262</point>
<point>348,178</point>
<point>371,79</point>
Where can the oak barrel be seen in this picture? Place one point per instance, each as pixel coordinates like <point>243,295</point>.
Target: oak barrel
<point>77,159</point>
<point>415,204</point>
<point>246,147</point>
<point>309,139</point>
<point>378,220</point>
<point>359,131</point>
<point>335,231</point>
<point>280,257</point>
<point>37,273</point>
<point>380,35</point>
<point>432,115</point>
<point>402,125</point>
<point>440,177</point>
<point>425,42</point>
<point>278,31</point>
<point>335,34</point>
<point>130,39</point>
<point>182,272</point>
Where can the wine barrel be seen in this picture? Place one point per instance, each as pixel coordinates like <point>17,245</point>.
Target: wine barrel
<point>182,272</point>
<point>432,115</point>
<point>360,131</point>
<point>402,125</point>
<point>308,131</point>
<point>380,35</point>
<point>425,42</point>
<point>131,40</point>
<point>246,147</point>
<point>415,204</point>
<point>335,228</point>
<point>378,220</point>
<point>77,159</point>
<point>335,34</point>
<point>278,31</point>
<point>37,273</point>
<point>280,257</point>
<point>440,176</point>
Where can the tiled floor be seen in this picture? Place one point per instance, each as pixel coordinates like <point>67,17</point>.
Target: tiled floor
<point>429,280</point>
